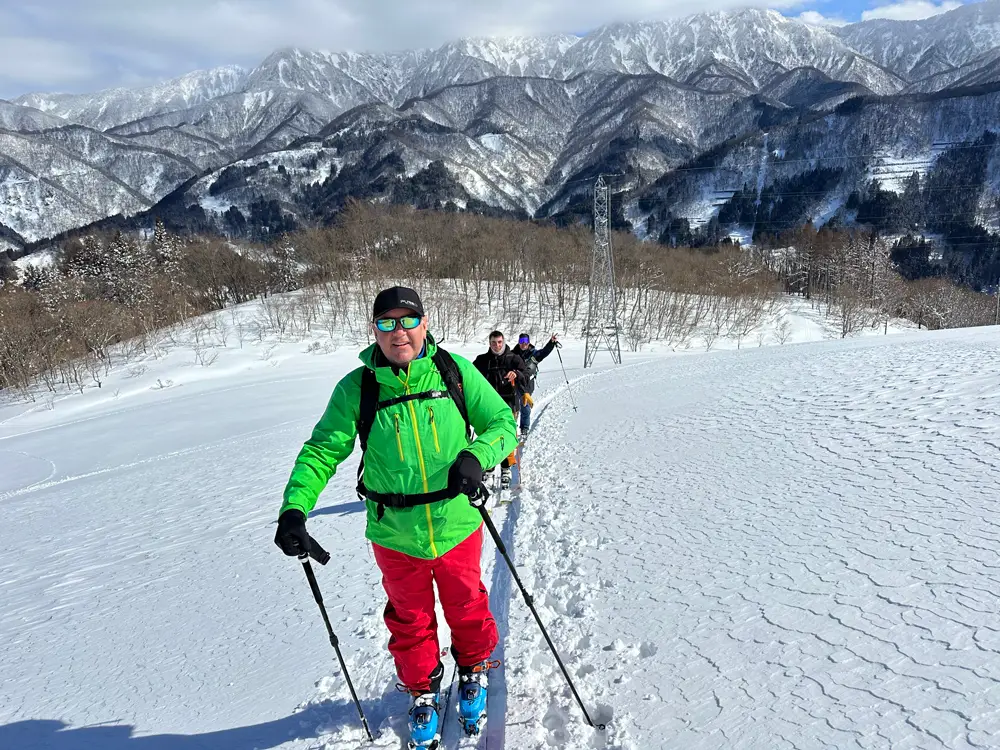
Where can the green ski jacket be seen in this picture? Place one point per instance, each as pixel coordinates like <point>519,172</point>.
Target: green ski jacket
<point>410,449</point>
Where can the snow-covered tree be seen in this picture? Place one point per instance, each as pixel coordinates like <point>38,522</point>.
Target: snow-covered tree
<point>166,250</point>
<point>86,258</point>
<point>286,274</point>
<point>129,272</point>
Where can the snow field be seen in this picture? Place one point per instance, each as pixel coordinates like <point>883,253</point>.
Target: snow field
<point>773,547</point>
<point>791,547</point>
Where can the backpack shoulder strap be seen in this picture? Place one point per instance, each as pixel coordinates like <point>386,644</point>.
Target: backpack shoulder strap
<point>452,377</point>
<point>366,418</point>
<point>369,405</point>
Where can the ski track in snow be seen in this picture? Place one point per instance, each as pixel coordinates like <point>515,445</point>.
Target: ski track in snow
<point>788,547</point>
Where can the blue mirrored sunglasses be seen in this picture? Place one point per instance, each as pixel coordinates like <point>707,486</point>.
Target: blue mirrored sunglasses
<point>389,324</point>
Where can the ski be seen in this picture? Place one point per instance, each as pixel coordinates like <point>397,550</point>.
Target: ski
<point>446,704</point>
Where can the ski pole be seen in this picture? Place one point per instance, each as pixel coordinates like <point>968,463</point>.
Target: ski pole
<point>568,387</point>
<point>321,556</point>
<point>479,501</point>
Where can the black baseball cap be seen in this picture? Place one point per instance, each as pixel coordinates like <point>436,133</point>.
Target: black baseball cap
<point>397,296</point>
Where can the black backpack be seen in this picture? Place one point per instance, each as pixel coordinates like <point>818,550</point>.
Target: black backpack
<point>370,406</point>
<point>531,368</point>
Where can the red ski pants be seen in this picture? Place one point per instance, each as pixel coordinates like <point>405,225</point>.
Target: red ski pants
<point>410,615</point>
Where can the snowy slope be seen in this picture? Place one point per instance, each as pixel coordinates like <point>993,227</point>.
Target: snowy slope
<point>106,109</point>
<point>238,121</point>
<point>760,44</point>
<point>73,175</point>
<point>509,141</point>
<point>778,547</point>
<point>790,547</point>
<point>19,117</point>
<point>471,60</point>
<point>917,49</point>
<point>880,133</point>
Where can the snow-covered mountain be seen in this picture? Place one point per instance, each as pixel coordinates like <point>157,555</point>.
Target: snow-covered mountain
<point>984,69</point>
<point>915,50</point>
<point>813,164</point>
<point>345,80</point>
<point>23,118</point>
<point>60,179</point>
<point>474,60</point>
<point>511,120</point>
<point>810,88</point>
<point>506,142</point>
<point>759,45</point>
<point>238,122</point>
<point>106,109</point>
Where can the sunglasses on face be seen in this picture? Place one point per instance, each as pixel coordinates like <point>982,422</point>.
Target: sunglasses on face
<point>389,324</point>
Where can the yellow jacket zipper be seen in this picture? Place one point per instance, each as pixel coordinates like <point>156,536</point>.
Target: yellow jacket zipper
<point>423,467</point>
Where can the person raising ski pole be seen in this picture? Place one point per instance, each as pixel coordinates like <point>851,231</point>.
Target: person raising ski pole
<point>531,357</point>
<point>505,371</point>
<point>414,407</point>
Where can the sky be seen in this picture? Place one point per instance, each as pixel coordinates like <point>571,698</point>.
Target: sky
<point>86,45</point>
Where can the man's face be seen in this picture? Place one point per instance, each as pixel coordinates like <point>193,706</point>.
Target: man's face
<point>524,345</point>
<point>401,346</point>
<point>496,344</point>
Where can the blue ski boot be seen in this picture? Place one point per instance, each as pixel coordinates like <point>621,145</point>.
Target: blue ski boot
<point>472,684</point>
<point>424,731</point>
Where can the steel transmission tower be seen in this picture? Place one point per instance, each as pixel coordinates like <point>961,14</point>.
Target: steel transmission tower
<point>602,318</point>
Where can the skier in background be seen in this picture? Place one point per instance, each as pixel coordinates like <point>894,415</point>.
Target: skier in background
<point>531,357</point>
<point>505,371</point>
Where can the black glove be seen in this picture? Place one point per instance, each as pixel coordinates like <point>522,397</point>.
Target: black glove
<point>291,535</point>
<point>465,475</point>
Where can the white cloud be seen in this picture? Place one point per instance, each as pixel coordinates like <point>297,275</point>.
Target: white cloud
<point>818,19</point>
<point>43,62</point>
<point>910,10</point>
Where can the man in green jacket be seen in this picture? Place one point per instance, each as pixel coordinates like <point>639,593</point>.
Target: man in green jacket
<point>421,464</point>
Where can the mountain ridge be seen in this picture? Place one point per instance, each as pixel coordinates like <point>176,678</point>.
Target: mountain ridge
<point>511,120</point>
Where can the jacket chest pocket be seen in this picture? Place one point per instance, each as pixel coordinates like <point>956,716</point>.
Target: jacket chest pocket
<point>414,431</point>
<point>389,445</point>
<point>399,437</point>
<point>434,429</point>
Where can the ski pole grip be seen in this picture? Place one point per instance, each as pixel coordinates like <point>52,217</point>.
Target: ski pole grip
<point>317,553</point>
